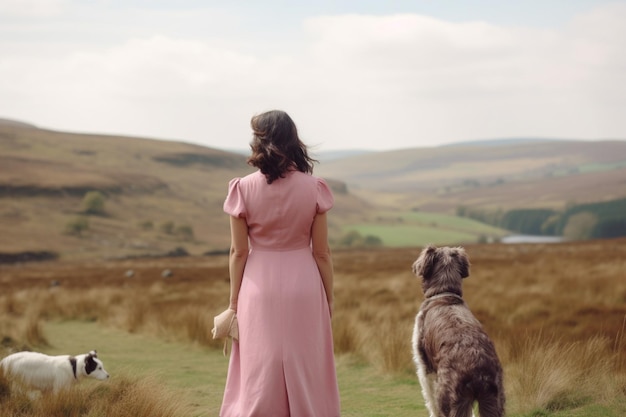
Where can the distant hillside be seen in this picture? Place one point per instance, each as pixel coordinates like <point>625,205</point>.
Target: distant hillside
<point>492,175</point>
<point>158,195</point>
<point>503,142</point>
<point>86,196</point>
<point>9,122</point>
<point>320,156</point>
<point>339,154</point>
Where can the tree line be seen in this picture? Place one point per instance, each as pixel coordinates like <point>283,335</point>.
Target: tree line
<point>576,221</point>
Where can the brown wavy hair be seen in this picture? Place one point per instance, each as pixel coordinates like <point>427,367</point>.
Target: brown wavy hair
<point>276,147</point>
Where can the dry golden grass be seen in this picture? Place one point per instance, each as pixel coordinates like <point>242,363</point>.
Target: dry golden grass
<point>556,312</point>
<point>125,396</point>
<point>26,330</point>
<point>546,373</point>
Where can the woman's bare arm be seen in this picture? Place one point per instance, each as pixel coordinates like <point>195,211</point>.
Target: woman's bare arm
<point>322,255</point>
<point>238,256</point>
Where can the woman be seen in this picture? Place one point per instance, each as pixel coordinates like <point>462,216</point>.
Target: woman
<point>281,281</point>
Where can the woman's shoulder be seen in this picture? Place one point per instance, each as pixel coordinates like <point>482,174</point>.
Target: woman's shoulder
<point>250,178</point>
<point>240,183</point>
<point>314,180</point>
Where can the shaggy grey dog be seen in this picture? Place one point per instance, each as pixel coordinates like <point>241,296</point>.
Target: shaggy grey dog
<point>456,361</point>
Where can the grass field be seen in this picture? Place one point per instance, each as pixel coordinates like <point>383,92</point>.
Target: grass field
<point>402,229</point>
<point>198,373</point>
<point>557,314</point>
<point>195,375</point>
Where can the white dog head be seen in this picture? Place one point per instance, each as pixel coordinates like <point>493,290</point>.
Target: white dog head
<point>89,365</point>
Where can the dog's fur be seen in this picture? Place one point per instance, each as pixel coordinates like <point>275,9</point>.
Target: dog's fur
<point>36,371</point>
<point>456,361</point>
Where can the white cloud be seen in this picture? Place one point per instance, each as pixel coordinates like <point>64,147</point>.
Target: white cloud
<point>32,8</point>
<point>349,81</point>
<point>479,80</point>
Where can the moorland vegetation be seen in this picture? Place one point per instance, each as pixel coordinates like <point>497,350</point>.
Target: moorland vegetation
<point>556,312</point>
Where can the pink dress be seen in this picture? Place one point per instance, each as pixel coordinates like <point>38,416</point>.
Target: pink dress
<point>283,364</point>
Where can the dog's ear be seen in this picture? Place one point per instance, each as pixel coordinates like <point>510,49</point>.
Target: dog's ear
<point>423,266</point>
<point>463,262</point>
<point>90,364</point>
<point>93,353</point>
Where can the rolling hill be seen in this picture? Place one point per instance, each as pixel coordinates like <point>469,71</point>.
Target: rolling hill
<point>489,174</point>
<point>159,196</point>
<point>166,197</point>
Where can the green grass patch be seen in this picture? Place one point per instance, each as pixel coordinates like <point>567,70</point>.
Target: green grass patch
<point>599,167</point>
<point>411,235</point>
<point>589,168</point>
<point>365,392</point>
<point>199,373</point>
<point>451,222</point>
<point>398,229</point>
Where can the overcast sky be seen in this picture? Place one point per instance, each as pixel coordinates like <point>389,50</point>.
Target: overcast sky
<point>361,74</point>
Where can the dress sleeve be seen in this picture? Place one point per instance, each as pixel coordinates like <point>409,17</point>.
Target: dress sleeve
<point>234,204</point>
<point>325,199</point>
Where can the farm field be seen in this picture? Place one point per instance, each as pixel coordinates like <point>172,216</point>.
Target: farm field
<point>402,229</point>
<point>556,312</point>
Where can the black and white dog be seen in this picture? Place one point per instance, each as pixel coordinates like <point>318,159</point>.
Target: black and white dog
<point>36,371</point>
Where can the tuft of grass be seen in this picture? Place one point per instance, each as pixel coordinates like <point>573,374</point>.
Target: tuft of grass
<point>22,331</point>
<point>346,336</point>
<point>143,396</point>
<point>31,329</point>
<point>550,375</point>
<point>394,346</point>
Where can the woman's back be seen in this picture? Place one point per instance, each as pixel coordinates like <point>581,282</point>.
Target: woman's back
<point>279,215</point>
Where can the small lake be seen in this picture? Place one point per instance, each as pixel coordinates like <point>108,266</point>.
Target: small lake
<point>531,239</point>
